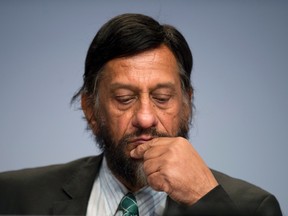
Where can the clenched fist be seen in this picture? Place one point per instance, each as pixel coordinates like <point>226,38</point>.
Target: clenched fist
<point>172,165</point>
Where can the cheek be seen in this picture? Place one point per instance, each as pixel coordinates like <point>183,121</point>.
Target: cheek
<point>181,117</point>
<point>118,122</point>
<point>170,120</point>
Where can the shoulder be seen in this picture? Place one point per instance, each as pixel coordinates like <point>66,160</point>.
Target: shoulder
<point>248,197</point>
<point>21,189</point>
<point>51,172</point>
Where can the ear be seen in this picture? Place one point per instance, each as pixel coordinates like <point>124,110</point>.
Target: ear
<point>191,93</point>
<point>188,103</point>
<point>89,113</point>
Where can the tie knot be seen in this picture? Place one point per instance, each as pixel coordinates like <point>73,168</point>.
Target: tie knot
<point>128,205</point>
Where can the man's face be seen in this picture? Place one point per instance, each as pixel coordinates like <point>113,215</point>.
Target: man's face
<point>140,98</point>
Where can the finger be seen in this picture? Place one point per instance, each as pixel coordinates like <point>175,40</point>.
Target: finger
<point>152,166</point>
<point>148,150</point>
<point>158,182</point>
<point>139,151</point>
<point>156,152</point>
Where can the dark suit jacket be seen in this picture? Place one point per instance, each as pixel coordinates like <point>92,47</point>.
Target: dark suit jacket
<point>65,190</point>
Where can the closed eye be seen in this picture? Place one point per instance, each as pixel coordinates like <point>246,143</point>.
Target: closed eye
<point>161,98</point>
<point>125,99</point>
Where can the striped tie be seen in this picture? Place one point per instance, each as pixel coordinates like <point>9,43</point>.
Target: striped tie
<point>128,205</point>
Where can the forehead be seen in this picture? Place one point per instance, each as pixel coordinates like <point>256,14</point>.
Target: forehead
<point>156,65</point>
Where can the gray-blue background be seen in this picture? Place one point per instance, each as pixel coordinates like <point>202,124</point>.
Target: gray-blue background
<point>240,78</point>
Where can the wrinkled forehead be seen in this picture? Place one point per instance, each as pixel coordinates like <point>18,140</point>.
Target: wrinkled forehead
<point>157,63</point>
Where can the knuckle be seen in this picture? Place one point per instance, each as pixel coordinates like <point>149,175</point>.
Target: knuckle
<point>156,182</point>
<point>140,148</point>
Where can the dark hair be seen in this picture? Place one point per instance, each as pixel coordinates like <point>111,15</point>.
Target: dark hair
<point>127,35</point>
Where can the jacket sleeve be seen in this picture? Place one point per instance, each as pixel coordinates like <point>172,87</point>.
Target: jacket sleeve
<point>215,203</point>
<point>218,203</point>
<point>269,207</point>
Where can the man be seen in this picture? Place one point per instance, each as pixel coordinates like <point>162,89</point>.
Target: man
<point>137,99</point>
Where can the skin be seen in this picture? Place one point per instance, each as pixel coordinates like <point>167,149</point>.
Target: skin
<point>144,91</point>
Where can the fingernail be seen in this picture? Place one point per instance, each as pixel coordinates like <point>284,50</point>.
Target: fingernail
<point>132,153</point>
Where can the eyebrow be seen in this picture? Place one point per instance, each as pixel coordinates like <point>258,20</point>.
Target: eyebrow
<point>115,86</point>
<point>168,85</point>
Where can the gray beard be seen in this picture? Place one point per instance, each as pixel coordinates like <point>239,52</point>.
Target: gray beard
<point>121,164</point>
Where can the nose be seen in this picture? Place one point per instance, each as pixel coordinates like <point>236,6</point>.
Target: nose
<point>144,116</point>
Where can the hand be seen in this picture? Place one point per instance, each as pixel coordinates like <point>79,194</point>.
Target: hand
<point>172,165</point>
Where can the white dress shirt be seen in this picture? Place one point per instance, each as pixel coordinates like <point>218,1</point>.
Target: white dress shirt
<point>107,193</point>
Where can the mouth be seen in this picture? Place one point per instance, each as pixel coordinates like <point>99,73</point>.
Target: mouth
<point>140,140</point>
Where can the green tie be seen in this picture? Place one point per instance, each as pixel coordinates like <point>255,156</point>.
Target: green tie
<point>128,205</point>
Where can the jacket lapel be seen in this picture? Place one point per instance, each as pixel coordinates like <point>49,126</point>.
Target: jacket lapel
<point>78,188</point>
<point>76,206</point>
